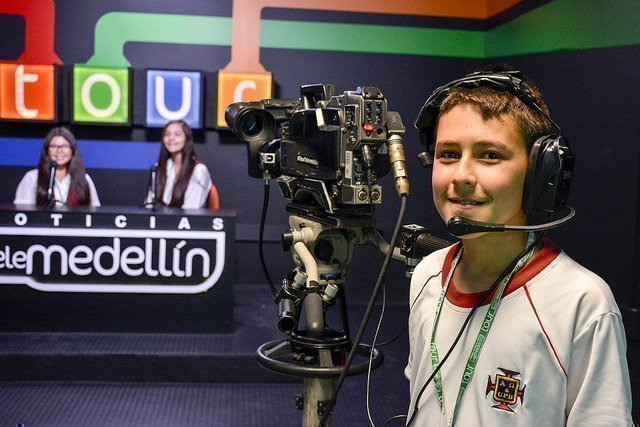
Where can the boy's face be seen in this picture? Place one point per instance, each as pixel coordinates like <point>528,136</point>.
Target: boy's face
<point>479,168</point>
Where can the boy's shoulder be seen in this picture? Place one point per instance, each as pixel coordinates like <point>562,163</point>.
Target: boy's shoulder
<point>431,267</point>
<point>566,284</point>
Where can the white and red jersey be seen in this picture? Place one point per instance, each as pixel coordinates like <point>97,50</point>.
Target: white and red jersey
<point>555,354</point>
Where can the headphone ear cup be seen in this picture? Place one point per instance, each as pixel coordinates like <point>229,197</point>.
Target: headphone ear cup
<point>549,175</point>
<point>530,184</point>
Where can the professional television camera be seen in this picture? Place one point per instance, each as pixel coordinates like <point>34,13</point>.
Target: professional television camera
<point>326,151</point>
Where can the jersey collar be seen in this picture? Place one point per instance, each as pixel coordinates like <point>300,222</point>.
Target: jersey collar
<point>539,262</point>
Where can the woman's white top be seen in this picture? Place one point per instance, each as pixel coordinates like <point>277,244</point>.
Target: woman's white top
<point>197,191</point>
<point>28,187</point>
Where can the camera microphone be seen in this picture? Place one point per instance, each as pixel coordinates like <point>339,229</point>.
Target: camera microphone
<point>398,164</point>
<point>52,179</point>
<point>458,226</point>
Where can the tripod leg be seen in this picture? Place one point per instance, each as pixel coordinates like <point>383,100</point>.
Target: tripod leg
<point>318,390</point>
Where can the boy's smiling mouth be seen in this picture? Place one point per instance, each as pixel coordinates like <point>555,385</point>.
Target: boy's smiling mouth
<point>465,202</point>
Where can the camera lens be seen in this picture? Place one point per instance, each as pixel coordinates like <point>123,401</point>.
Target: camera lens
<point>251,125</point>
<point>251,122</point>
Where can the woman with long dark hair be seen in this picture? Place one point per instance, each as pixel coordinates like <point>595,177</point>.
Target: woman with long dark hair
<point>72,185</point>
<point>183,181</point>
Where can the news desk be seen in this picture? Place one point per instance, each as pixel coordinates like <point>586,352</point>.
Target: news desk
<point>119,269</point>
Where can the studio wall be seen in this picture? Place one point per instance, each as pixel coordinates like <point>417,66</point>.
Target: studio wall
<point>584,55</point>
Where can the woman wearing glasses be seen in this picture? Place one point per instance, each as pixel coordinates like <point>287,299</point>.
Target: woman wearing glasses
<point>72,185</point>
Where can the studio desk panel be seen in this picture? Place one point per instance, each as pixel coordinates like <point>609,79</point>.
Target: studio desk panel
<point>116,269</point>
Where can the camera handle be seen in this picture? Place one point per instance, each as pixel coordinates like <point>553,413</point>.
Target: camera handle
<point>321,253</point>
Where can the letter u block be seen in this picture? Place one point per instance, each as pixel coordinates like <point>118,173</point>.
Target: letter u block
<point>174,95</point>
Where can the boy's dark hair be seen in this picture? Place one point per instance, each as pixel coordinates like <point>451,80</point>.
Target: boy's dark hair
<point>494,104</point>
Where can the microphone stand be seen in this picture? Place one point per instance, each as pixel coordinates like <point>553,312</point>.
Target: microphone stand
<point>51,199</point>
<point>154,177</point>
<point>152,188</point>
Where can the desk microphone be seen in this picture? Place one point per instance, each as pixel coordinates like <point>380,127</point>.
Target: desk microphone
<point>154,177</point>
<point>153,184</point>
<point>52,179</point>
<point>458,226</point>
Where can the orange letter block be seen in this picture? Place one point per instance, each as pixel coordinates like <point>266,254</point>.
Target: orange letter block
<point>27,92</point>
<point>239,87</point>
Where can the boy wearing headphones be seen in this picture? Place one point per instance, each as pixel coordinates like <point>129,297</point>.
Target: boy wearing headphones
<point>505,328</point>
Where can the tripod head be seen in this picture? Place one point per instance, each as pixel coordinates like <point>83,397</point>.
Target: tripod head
<point>321,253</point>
<point>321,249</point>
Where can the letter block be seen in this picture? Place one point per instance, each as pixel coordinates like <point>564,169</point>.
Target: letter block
<point>238,87</point>
<point>174,95</point>
<point>27,92</point>
<point>101,95</point>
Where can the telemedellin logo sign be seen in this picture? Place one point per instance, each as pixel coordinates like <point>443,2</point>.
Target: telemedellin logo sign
<point>111,260</point>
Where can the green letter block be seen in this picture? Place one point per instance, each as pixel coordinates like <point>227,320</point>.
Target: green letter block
<point>101,95</point>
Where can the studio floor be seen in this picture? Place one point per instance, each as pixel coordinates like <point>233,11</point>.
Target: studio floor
<point>171,382</point>
<point>134,379</point>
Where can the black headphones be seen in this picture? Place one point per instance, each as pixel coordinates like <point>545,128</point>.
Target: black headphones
<point>551,160</point>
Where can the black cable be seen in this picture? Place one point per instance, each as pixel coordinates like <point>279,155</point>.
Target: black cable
<point>377,245</point>
<point>363,325</point>
<point>54,203</point>
<point>371,353</point>
<point>265,205</point>
<point>395,417</point>
<point>390,340</point>
<point>374,345</point>
<point>464,325</point>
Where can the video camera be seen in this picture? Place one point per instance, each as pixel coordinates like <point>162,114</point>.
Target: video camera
<point>326,151</point>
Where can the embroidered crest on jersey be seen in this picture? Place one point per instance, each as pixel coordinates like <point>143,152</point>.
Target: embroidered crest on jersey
<point>506,390</point>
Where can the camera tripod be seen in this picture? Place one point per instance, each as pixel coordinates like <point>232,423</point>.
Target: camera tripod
<point>322,250</point>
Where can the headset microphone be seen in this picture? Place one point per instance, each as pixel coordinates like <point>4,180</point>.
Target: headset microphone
<point>458,226</point>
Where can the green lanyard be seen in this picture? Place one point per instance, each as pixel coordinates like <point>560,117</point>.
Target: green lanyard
<point>482,334</point>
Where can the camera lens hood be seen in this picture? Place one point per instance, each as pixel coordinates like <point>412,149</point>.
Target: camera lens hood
<point>250,121</point>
